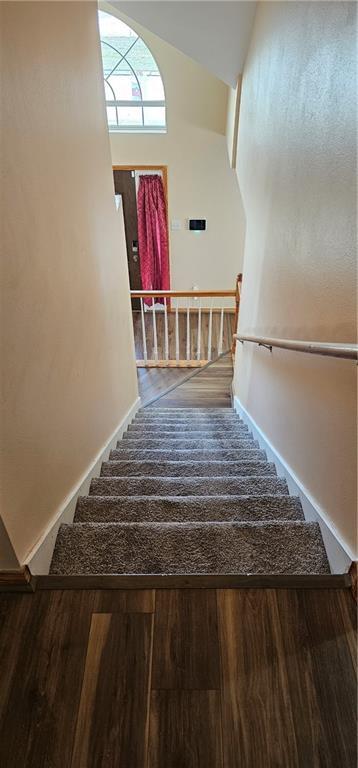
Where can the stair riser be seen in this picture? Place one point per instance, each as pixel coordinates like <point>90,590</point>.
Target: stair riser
<point>208,486</point>
<point>134,443</point>
<point>186,469</point>
<point>190,548</point>
<point>169,509</point>
<point>192,455</point>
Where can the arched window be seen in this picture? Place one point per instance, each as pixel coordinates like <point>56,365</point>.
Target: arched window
<point>133,86</point>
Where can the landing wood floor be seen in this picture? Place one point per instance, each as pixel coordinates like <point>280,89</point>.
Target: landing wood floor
<point>207,388</point>
<point>178,679</point>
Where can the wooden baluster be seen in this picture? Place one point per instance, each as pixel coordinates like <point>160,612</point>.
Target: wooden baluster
<point>210,329</point>
<point>176,333</point>
<point>166,337</point>
<point>145,356</point>
<point>198,353</point>
<point>188,331</point>
<point>155,339</point>
<point>221,332</point>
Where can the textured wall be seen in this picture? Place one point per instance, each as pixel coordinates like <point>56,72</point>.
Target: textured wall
<point>67,361</point>
<point>297,174</point>
<point>201,183</point>
<point>215,34</point>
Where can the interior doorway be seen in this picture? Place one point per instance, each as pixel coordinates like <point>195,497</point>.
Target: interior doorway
<point>152,245</point>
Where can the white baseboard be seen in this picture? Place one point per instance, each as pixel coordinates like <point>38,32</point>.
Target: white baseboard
<point>39,558</point>
<point>339,555</point>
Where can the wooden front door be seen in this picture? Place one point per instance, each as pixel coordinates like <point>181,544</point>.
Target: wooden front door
<point>124,184</point>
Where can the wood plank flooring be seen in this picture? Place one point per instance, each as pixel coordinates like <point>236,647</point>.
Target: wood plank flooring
<point>207,388</point>
<point>256,678</point>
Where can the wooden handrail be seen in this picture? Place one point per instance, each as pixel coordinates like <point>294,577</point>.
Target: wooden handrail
<point>346,351</point>
<point>179,294</point>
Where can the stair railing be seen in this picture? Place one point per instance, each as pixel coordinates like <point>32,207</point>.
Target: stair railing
<point>238,287</point>
<point>162,329</point>
<point>342,350</point>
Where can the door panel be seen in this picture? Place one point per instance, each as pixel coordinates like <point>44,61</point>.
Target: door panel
<point>124,184</point>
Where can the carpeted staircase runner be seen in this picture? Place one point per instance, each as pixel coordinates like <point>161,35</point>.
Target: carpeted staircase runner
<point>189,491</point>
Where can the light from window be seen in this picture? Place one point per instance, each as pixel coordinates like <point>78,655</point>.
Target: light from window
<point>134,91</point>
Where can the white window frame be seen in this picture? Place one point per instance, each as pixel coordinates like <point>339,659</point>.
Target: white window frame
<point>142,103</point>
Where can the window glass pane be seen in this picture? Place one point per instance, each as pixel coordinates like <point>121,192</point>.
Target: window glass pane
<point>110,58</point>
<point>111,116</point>
<point>130,116</point>
<point>152,86</point>
<point>145,67</point>
<point>116,37</point>
<point>124,84</point>
<point>109,94</point>
<point>130,75</point>
<point>154,116</point>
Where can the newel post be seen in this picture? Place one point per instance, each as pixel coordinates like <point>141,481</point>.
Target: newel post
<point>237,307</point>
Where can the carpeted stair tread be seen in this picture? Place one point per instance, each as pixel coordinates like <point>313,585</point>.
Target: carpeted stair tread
<point>194,454</point>
<point>177,434</point>
<point>185,444</point>
<point>189,491</point>
<point>189,548</point>
<point>192,426</point>
<point>184,419</point>
<point>187,486</point>
<point>188,410</point>
<point>165,468</point>
<point>131,509</point>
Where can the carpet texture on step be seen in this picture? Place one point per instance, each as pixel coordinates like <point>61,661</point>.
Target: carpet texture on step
<point>185,444</point>
<point>188,410</point>
<point>193,455</point>
<point>149,418</point>
<point>190,486</point>
<point>188,491</point>
<point>186,468</point>
<point>196,427</point>
<point>190,548</point>
<point>136,509</point>
<point>178,434</point>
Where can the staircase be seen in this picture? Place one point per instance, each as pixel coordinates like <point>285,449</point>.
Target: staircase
<point>188,491</point>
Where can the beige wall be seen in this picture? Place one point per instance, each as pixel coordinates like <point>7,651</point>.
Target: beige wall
<point>296,168</point>
<point>67,362</point>
<point>201,182</point>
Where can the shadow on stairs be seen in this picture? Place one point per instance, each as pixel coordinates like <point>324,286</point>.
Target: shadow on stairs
<point>208,387</point>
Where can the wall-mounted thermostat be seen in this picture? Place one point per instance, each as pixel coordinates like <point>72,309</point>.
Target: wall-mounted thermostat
<point>197,225</point>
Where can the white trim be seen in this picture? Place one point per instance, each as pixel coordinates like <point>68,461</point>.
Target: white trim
<point>39,557</point>
<point>135,103</point>
<point>339,554</point>
<point>138,129</point>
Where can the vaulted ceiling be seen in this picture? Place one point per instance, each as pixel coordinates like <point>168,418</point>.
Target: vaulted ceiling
<point>216,34</point>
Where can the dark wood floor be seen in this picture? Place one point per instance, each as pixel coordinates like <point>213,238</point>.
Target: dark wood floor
<point>178,679</point>
<point>206,388</point>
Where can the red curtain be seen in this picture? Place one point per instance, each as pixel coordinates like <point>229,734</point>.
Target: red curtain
<point>153,234</point>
